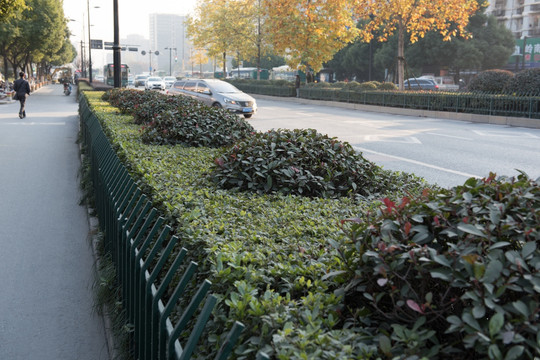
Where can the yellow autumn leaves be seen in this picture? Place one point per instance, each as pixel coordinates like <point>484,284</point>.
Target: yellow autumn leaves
<point>309,32</point>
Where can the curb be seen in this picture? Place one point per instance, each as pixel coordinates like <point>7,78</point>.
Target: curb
<point>93,226</point>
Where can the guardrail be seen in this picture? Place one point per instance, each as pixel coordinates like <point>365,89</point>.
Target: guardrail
<point>140,244</point>
<point>472,103</point>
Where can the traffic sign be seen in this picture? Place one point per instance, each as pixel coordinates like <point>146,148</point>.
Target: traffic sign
<point>96,44</point>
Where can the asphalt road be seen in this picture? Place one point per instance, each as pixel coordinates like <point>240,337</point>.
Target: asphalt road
<point>444,152</point>
<point>46,262</point>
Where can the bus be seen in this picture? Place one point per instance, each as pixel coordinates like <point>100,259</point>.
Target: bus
<point>248,73</point>
<point>108,74</point>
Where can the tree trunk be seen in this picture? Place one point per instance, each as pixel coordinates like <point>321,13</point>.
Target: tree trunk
<point>224,65</point>
<point>401,54</point>
<point>259,43</point>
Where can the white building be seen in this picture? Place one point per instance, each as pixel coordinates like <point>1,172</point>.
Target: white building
<point>520,16</point>
<point>168,35</point>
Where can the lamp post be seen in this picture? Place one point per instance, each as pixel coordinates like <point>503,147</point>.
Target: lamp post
<point>89,41</point>
<point>116,47</point>
<point>150,52</point>
<point>170,60</point>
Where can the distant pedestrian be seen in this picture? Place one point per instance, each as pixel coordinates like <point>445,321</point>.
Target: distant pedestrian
<point>22,89</point>
<point>297,85</point>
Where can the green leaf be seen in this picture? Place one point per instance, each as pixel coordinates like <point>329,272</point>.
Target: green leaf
<point>494,352</point>
<point>514,353</point>
<point>471,229</point>
<point>499,244</point>
<point>522,308</point>
<point>441,259</point>
<point>385,344</point>
<point>528,249</point>
<point>479,311</point>
<point>493,271</point>
<point>495,324</point>
<point>444,274</point>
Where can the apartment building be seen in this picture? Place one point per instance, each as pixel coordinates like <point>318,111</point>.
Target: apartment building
<point>522,17</point>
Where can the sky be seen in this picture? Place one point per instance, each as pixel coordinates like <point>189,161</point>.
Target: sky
<point>133,16</point>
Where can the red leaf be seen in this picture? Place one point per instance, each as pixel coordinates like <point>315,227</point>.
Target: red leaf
<point>407,228</point>
<point>413,305</point>
<point>389,204</point>
<point>404,202</point>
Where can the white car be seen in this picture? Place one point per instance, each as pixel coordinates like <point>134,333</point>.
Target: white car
<point>154,83</point>
<point>169,81</point>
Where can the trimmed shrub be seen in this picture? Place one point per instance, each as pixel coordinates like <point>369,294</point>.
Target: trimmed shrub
<point>301,162</point>
<point>387,86</point>
<point>490,81</point>
<point>195,125</point>
<point>457,272</point>
<point>526,82</point>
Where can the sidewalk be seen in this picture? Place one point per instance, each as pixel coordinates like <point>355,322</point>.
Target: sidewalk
<point>46,262</point>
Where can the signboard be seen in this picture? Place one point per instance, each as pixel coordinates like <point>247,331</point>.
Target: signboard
<point>528,57</point>
<point>96,44</point>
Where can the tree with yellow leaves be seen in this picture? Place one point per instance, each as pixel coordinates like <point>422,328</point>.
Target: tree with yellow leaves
<point>416,17</point>
<point>309,32</point>
<point>217,26</point>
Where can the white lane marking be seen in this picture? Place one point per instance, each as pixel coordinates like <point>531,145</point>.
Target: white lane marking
<point>450,136</point>
<point>505,134</point>
<point>35,123</point>
<point>389,138</point>
<point>418,163</point>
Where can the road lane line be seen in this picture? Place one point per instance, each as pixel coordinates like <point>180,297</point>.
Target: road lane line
<point>450,136</point>
<point>418,163</point>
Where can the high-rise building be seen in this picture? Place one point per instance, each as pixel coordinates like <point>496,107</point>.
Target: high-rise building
<point>168,35</point>
<point>520,16</point>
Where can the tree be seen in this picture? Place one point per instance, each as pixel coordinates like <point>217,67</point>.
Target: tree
<point>36,34</point>
<point>415,17</point>
<point>309,32</point>
<point>214,26</point>
<point>9,8</point>
<point>489,47</point>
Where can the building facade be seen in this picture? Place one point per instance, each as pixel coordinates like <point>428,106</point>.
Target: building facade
<point>520,16</point>
<point>168,36</point>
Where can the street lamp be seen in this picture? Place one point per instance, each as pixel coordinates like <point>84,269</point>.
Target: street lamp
<point>116,47</point>
<point>150,52</point>
<point>89,41</point>
<point>170,60</point>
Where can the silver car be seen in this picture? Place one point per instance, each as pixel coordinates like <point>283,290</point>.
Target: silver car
<point>217,93</point>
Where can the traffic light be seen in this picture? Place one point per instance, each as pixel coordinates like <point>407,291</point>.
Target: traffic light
<point>175,58</point>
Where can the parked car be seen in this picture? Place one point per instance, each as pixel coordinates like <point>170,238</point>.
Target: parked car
<point>169,81</point>
<point>420,84</point>
<point>140,80</point>
<point>154,83</point>
<point>216,93</point>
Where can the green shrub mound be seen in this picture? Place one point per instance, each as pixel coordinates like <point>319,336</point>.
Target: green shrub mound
<point>490,81</point>
<point>452,275</point>
<point>196,125</point>
<point>170,120</point>
<point>526,82</point>
<point>301,162</point>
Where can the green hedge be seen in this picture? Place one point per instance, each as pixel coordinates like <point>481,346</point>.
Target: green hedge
<point>386,95</point>
<point>267,255</point>
<point>438,274</point>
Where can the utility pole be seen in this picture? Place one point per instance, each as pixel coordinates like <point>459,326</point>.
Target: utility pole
<point>170,58</point>
<point>116,48</point>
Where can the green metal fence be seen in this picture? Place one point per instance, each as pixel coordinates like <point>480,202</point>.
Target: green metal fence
<point>484,104</point>
<point>141,245</point>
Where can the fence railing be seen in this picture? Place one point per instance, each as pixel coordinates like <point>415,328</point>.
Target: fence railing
<point>472,103</point>
<point>140,244</point>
